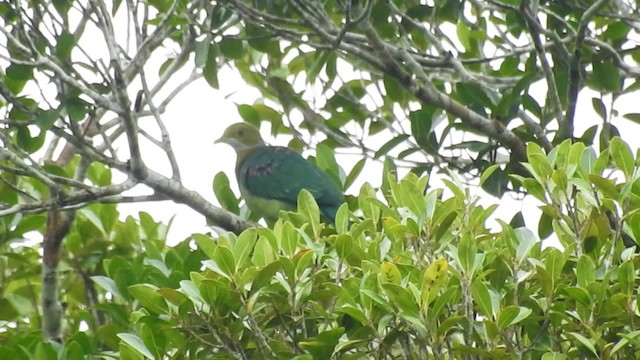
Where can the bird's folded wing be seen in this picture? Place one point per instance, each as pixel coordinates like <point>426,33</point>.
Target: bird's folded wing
<point>279,173</point>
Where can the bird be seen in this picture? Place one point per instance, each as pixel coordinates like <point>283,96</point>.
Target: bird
<point>271,177</point>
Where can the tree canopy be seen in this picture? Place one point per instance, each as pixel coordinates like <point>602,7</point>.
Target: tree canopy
<point>494,91</point>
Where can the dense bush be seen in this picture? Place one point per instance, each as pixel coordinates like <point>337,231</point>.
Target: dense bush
<point>407,272</point>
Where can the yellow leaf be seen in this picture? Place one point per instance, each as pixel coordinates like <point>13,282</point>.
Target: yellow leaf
<point>433,280</point>
<point>389,273</point>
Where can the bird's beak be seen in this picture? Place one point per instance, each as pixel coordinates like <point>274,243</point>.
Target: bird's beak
<point>221,140</point>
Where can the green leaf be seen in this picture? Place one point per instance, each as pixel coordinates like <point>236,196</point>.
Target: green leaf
<point>108,285</point>
<point>287,236</point>
<point>585,342</point>
<point>402,298</point>
<point>622,156</point>
<point>422,127</point>
<point>47,118</point>
<point>580,295</point>
<point>342,219</point>
<point>232,48</point>
<point>599,107</point>
<point>19,72</point>
<point>65,45</point>
<point>553,356</point>
<point>626,340</point>
<point>243,247</point>
<point>588,160</point>
<point>76,108</point>
<point>512,315</point>
<point>28,143</point>
<point>74,351</point>
<point>585,271</point>
<point>261,40</point>
<point>19,303</point>
<point>554,262</point>
<point>224,194</point>
<point>136,344</point>
<point>482,297</point>
<point>325,160</point>
<point>394,90</point>
<point>344,245</point>
<point>263,254</point>
<point>606,76</point>
<point>62,6</point>
<point>540,167</point>
<point>353,174</point>
<point>322,346</point>
<point>319,63</point>
<point>471,94</point>
<point>545,226</point>
<point>536,189</point>
<point>45,351</point>
<point>149,298</point>
<point>487,172</point>
<point>634,117</point>
<point>210,70</point>
<point>626,278</point>
<point>606,186</point>
<point>526,241</point>
<point>264,276</point>
<point>249,114</point>
<point>225,260</point>
<point>162,5</point>
<point>389,145</point>
<point>308,206</point>
<point>214,292</point>
<point>205,243</point>
<point>467,250</point>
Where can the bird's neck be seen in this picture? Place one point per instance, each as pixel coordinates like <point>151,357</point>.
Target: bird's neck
<point>244,153</point>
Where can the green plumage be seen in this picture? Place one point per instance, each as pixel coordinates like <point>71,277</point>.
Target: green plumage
<point>271,177</point>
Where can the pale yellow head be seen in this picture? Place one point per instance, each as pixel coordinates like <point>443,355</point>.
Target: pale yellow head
<point>241,136</point>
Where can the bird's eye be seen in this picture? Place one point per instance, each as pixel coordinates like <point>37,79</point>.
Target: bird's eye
<point>240,132</point>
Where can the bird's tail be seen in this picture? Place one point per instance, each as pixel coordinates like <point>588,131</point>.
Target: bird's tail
<point>330,212</point>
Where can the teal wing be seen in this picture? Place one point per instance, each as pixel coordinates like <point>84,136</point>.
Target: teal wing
<point>278,173</point>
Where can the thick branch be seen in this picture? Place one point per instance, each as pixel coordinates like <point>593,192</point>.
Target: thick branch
<point>427,93</point>
<point>534,26</point>
<point>565,128</point>
<point>177,192</point>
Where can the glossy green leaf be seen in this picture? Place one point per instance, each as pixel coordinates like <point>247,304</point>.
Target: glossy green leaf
<point>210,70</point>
<point>263,254</point>
<point>606,76</point>
<point>390,145</point>
<point>584,342</point>
<point>225,260</point>
<point>232,48</point>
<point>482,298</point>
<point>149,297</point>
<point>308,206</point>
<point>512,315</point>
<point>622,156</point>
<point>136,344</point>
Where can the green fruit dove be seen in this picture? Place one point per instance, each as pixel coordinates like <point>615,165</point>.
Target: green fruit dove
<point>270,177</point>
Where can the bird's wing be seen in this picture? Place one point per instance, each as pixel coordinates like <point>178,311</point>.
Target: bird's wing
<point>278,173</point>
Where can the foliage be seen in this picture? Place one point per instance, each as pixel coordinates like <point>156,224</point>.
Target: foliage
<point>449,85</point>
<point>424,86</point>
<point>410,271</point>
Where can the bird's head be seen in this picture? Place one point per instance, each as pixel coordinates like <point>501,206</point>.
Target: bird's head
<point>241,136</point>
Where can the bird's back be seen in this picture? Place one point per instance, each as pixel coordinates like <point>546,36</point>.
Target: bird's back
<point>275,174</point>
